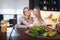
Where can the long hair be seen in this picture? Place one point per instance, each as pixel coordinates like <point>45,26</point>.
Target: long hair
<point>24,9</point>
<point>39,15</point>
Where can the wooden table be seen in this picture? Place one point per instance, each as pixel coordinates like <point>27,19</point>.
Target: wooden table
<point>19,34</point>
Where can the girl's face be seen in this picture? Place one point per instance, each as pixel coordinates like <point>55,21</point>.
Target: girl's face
<point>27,12</point>
<point>35,12</point>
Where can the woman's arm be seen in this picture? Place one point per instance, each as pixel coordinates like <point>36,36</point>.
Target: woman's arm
<point>22,23</point>
<point>43,24</point>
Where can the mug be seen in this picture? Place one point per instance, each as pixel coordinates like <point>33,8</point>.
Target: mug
<point>53,25</point>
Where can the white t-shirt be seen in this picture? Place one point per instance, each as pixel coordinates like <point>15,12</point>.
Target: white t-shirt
<point>36,21</point>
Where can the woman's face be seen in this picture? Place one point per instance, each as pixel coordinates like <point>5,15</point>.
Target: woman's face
<point>35,12</point>
<point>27,12</point>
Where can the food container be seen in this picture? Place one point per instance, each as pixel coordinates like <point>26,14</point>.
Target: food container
<point>58,27</point>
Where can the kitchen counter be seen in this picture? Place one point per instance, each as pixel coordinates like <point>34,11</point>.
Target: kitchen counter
<point>19,34</point>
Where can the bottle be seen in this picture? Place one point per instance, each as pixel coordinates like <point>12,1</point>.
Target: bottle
<point>58,18</point>
<point>44,2</point>
<point>3,26</point>
<point>54,2</point>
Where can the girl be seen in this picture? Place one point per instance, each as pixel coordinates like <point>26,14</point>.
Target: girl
<point>37,17</point>
<point>26,19</point>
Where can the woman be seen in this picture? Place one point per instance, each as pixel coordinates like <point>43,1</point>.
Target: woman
<point>37,17</point>
<point>26,19</point>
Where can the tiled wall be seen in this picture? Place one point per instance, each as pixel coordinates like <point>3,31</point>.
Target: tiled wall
<point>44,14</point>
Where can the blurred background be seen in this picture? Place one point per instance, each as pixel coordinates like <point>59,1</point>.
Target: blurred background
<point>10,9</point>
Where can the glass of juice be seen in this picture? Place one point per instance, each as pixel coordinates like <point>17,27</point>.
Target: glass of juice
<point>3,29</point>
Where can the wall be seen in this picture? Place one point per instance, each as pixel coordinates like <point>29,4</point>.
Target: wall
<point>10,7</point>
<point>13,6</point>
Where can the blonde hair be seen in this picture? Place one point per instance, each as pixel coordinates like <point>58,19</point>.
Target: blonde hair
<point>39,16</point>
